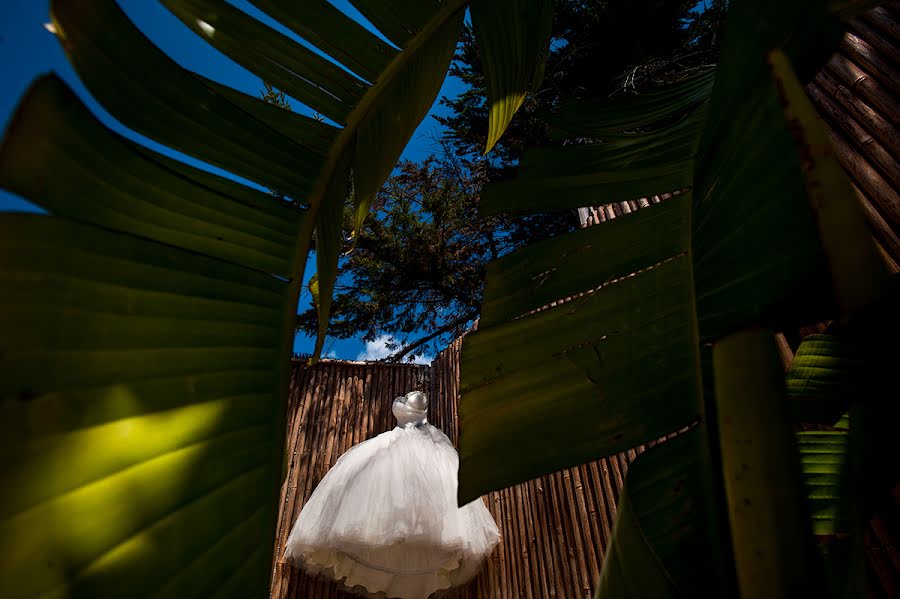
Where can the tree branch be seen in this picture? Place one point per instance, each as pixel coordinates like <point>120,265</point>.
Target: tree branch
<point>397,357</point>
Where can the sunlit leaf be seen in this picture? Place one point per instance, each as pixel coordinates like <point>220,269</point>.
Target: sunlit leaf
<point>513,38</point>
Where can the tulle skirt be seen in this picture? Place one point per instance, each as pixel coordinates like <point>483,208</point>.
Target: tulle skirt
<point>385,518</point>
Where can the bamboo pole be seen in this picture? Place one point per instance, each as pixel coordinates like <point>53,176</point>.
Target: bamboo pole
<point>864,86</point>
<point>886,133</point>
<point>865,145</point>
<point>866,56</point>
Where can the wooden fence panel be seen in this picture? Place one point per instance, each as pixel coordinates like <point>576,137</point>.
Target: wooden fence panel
<point>554,528</point>
<point>332,406</point>
<point>856,94</point>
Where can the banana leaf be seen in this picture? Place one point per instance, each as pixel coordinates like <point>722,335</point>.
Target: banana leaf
<point>148,317</point>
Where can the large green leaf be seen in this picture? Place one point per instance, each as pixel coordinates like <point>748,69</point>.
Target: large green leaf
<point>823,460</point>
<point>756,248</point>
<point>401,21</point>
<point>403,101</point>
<point>752,254</point>
<point>568,370</point>
<point>57,154</point>
<point>758,221</point>
<point>568,265</point>
<point>148,319</point>
<point>826,375</point>
<point>299,72</point>
<point>661,540</point>
<point>772,543</point>
<point>328,248</point>
<point>141,425</point>
<point>662,544</point>
<point>295,155</point>
<point>569,325</point>
<point>333,32</point>
<point>630,114</point>
<point>379,119</point>
<point>175,107</point>
<point>850,372</point>
<point>858,274</point>
<point>513,40</point>
<point>621,168</point>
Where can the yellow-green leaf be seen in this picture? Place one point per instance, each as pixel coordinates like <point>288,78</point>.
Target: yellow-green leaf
<point>513,38</point>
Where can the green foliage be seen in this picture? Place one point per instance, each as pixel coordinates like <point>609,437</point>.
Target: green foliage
<point>513,38</point>
<point>594,47</point>
<point>378,117</point>
<point>660,545</point>
<point>425,288</point>
<point>590,343</point>
<point>274,96</point>
<point>417,266</point>
<point>148,318</point>
<point>772,544</point>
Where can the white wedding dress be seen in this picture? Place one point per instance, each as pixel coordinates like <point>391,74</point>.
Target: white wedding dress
<point>385,517</point>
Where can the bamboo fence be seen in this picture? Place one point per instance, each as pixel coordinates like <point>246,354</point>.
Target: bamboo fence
<point>554,528</point>
<point>332,406</point>
<point>857,95</point>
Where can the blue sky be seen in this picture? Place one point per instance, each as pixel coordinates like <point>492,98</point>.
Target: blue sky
<point>28,50</point>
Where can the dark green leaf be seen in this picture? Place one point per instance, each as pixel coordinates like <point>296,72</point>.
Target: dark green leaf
<point>333,32</point>
<point>823,459</point>
<point>569,265</point>
<point>59,156</point>
<point>772,544</point>
<point>826,375</point>
<point>328,250</point>
<point>140,411</point>
<point>576,373</point>
<point>299,72</point>
<point>172,105</point>
<point>311,134</point>
<point>628,114</point>
<point>621,168</point>
<point>661,541</point>
<point>755,243</point>
<point>513,38</point>
<point>399,20</point>
<point>857,271</point>
<point>401,104</point>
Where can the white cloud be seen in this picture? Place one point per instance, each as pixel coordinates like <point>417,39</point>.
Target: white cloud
<point>378,350</point>
<point>420,359</point>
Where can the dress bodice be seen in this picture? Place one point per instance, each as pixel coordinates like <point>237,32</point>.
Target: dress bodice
<point>411,409</point>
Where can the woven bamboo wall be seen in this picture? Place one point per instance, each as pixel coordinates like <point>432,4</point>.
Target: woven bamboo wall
<point>332,406</point>
<point>554,528</point>
<point>857,95</point>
